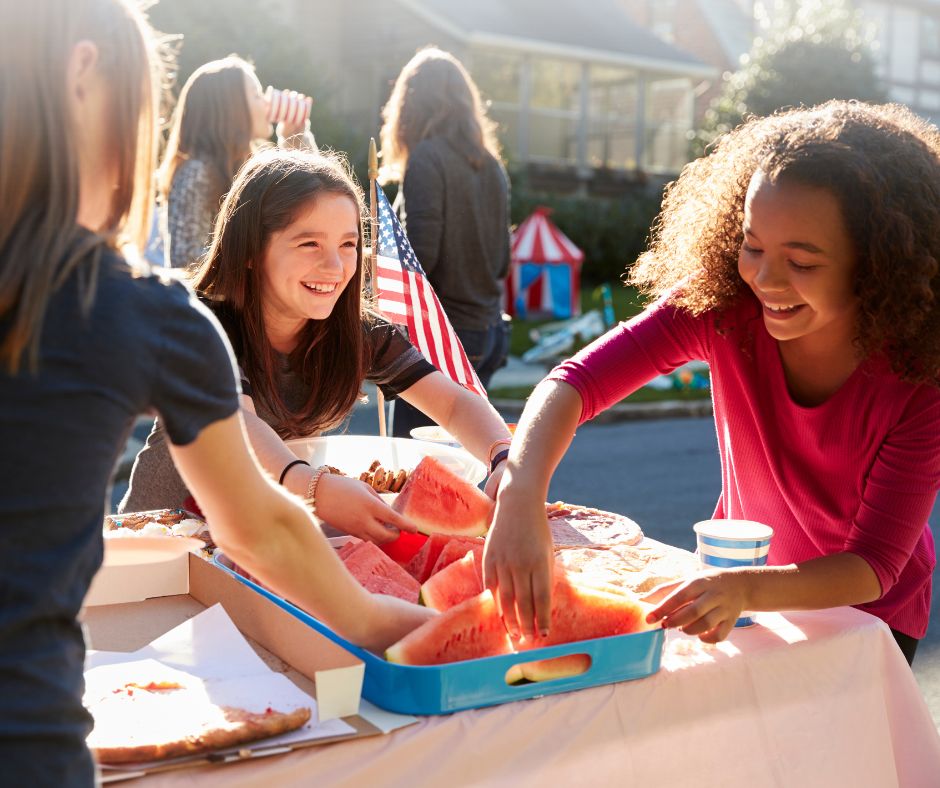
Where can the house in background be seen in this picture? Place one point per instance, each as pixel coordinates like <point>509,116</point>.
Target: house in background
<point>908,52</point>
<point>587,100</point>
<point>718,32</point>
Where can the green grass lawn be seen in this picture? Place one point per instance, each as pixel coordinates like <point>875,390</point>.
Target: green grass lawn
<point>627,303</point>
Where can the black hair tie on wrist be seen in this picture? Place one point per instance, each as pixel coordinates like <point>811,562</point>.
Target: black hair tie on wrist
<point>288,467</point>
<point>498,458</point>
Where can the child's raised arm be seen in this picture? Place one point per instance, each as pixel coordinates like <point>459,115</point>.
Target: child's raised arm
<point>517,562</point>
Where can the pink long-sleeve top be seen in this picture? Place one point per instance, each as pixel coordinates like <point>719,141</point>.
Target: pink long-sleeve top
<point>858,473</point>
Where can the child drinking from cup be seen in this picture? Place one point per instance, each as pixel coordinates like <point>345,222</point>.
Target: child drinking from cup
<point>285,276</point>
<point>800,260</point>
<point>221,117</point>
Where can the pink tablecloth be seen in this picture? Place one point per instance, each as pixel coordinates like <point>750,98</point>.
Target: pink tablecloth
<point>803,699</point>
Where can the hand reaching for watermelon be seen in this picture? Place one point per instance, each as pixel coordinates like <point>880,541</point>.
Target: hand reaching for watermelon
<point>353,507</point>
<point>707,605</point>
<point>492,483</point>
<point>517,565</point>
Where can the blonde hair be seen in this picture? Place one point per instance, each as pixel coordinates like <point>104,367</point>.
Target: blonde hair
<point>41,243</point>
<point>211,122</point>
<point>434,96</point>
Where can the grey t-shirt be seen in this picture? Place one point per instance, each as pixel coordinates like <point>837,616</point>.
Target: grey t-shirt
<point>144,346</point>
<point>395,365</point>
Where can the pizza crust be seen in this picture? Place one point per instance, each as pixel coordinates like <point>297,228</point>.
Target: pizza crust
<point>582,526</point>
<point>143,722</point>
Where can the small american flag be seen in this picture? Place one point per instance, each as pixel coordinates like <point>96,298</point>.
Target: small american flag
<point>405,297</point>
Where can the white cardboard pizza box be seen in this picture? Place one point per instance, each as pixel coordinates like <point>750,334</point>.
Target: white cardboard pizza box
<point>181,586</point>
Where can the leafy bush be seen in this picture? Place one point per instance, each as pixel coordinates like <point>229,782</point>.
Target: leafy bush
<point>612,232</point>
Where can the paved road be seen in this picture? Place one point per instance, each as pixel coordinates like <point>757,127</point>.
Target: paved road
<point>665,475</point>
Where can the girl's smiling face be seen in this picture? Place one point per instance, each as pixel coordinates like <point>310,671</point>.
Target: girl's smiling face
<point>799,260</point>
<point>308,264</point>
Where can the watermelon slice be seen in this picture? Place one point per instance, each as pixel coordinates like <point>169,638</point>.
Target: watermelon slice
<point>405,547</point>
<point>378,573</point>
<point>583,613</point>
<point>456,549</point>
<point>549,669</point>
<point>423,563</point>
<point>469,630</point>
<point>451,586</point>
<point>438,501</point>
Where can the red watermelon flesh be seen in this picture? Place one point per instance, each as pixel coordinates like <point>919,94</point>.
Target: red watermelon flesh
<point>469,630</point>
<point>437,500</point>
<point>420,567</point>
<point>348,547</point>
<point>584,613</point>
<point>405,547</point>
<point>456,549</point>
<point>451,586</point>
<point>378,573</point>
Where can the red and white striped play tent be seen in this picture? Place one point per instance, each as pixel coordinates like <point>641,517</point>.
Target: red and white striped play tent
<point>544,270</point>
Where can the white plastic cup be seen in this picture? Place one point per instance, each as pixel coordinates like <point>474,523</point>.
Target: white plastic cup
<point>287,106</point>
<point>435,434</point>
<point>728,543</point>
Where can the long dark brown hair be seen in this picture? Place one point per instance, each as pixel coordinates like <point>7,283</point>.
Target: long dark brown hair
<point>434,96</point>
<point>270,190</point>
<point>41,244</point>
<point>882,163</point>
<point>212,123</point>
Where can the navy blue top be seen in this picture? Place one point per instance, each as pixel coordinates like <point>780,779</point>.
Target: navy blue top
<point>145,346</point>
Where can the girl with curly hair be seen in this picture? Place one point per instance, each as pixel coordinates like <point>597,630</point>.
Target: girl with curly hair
<point>800,260</point>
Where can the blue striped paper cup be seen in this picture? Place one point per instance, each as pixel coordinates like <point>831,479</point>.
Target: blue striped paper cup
<point>728,543</point>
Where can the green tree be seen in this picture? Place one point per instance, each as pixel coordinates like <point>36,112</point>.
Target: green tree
<point>807,52</point>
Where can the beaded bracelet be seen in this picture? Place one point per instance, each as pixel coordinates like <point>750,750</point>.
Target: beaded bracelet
<point>288,467</point>
<point>311,495</point>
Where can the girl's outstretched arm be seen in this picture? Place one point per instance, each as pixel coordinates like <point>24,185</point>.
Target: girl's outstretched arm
<point>708,606</point>
<point>468,417</point>
<point>345,503</point>
<point>272,535</point>
<point>518,558</point>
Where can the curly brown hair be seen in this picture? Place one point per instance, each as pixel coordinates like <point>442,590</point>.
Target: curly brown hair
<point>881,162</point>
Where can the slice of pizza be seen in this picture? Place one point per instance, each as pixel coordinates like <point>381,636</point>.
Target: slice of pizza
<point>150,720</point>
<point>582,526</point>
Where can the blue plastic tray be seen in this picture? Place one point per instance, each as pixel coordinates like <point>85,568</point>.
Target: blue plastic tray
<point>441,689</point>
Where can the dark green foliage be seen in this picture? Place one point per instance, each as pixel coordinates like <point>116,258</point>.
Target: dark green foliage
<point>811,52</point>
<point>612,232</point>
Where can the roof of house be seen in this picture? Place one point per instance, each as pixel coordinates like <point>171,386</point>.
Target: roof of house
<point>731,26</point>
<point>598,31</point>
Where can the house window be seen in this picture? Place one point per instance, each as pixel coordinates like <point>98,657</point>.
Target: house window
<point>668,119</point>
<point>554,109</point>
<point>930,36</point>
<point>612,117</point>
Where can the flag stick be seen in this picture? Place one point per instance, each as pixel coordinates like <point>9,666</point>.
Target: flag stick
<point>373,254</point>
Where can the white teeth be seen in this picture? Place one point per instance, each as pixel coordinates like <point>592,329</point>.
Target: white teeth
<point>320,287</point>
<point>781,308</point>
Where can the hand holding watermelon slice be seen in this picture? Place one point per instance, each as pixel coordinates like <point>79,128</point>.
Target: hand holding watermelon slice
<point>354,508</point>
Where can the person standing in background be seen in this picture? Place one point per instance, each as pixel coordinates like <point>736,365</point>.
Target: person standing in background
<point>453,203</point>
<point>222,116</point>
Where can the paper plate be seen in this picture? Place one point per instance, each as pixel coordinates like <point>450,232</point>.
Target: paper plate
<point>138,550</point>
<point>353,454</point>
